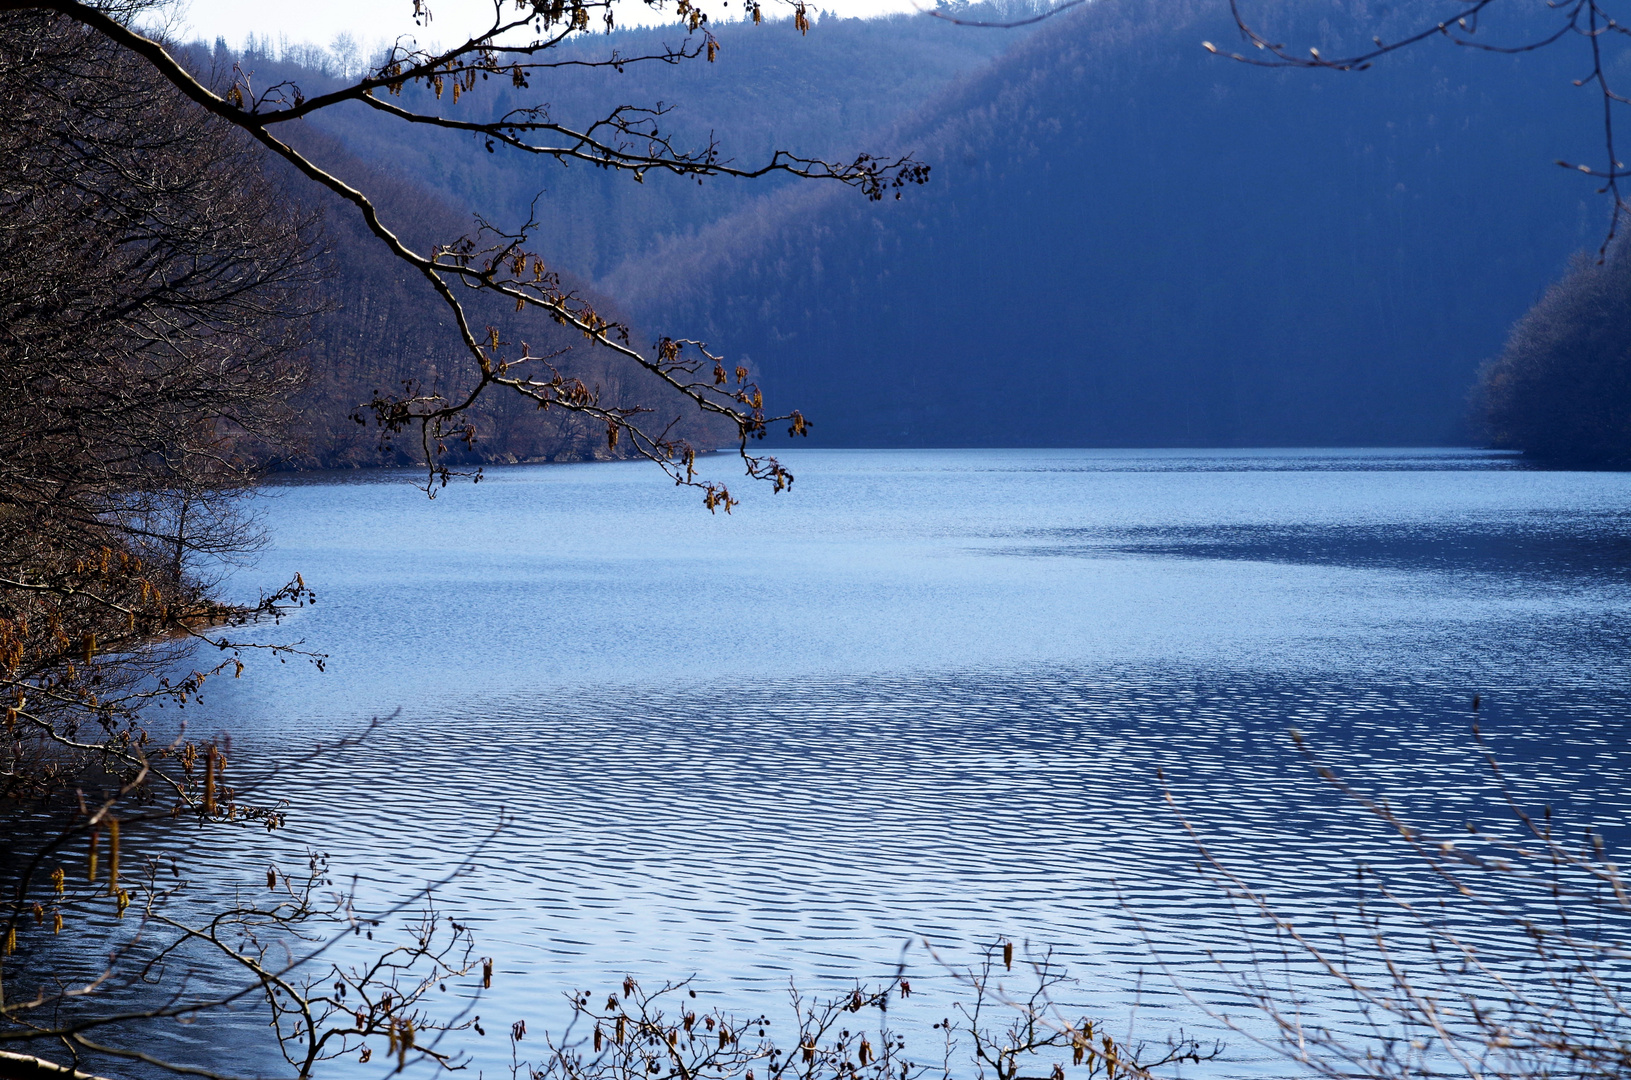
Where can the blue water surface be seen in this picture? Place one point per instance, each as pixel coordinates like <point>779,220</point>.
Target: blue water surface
<point>925,696</point>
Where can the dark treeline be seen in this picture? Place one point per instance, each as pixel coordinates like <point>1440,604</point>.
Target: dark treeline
<point>1561,389</point>
<point>1128,241</point>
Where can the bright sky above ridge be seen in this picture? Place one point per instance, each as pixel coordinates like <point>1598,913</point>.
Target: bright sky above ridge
<point>370,22</point>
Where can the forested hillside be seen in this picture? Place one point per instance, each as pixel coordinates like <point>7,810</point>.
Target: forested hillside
<point>384,329</point>
<point>1128,241</point>
<point>1561,389</point>
<point>770,87</point>
<point>1125,240</point>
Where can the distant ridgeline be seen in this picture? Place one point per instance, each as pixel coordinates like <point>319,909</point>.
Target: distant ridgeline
<point>1128,241</point>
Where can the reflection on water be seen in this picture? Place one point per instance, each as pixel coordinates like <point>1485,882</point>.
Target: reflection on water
<point>927,695</point>
<point>1537,550</point>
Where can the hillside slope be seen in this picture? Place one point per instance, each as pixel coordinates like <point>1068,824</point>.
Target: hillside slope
<point>1561,389</point>
<point>385,329</point>
<point>1127,241</point>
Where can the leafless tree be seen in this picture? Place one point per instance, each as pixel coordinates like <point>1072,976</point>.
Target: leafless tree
<point>516,46</point>
<point>155,292</point>
<point>151,300</point>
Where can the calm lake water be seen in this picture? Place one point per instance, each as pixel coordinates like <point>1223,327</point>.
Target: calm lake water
<point>925,695</point>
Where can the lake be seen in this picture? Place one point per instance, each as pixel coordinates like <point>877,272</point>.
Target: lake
<point>925,695</point>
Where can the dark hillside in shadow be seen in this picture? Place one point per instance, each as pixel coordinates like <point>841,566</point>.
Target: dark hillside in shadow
<point>1561,389</point>
<point>1128,241</point>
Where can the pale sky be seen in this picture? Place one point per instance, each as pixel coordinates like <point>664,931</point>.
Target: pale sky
<point>371,22</point>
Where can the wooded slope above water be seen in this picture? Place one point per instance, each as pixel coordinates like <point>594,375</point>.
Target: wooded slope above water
<point>1129,241</point>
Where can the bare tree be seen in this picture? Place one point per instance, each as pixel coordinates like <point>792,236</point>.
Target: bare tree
<point>154,292</point>
<point>150,305</point>
<point>516,46</point>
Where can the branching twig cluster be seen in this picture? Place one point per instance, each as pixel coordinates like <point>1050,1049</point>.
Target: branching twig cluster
<point>1588,21</point>
<point>665,1033</point>
<point>1513,967</point>
<point>295,948</point>
<point>1039,1032</point>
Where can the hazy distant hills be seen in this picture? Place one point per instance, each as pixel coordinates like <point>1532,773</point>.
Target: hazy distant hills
<point>1127,241</point>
